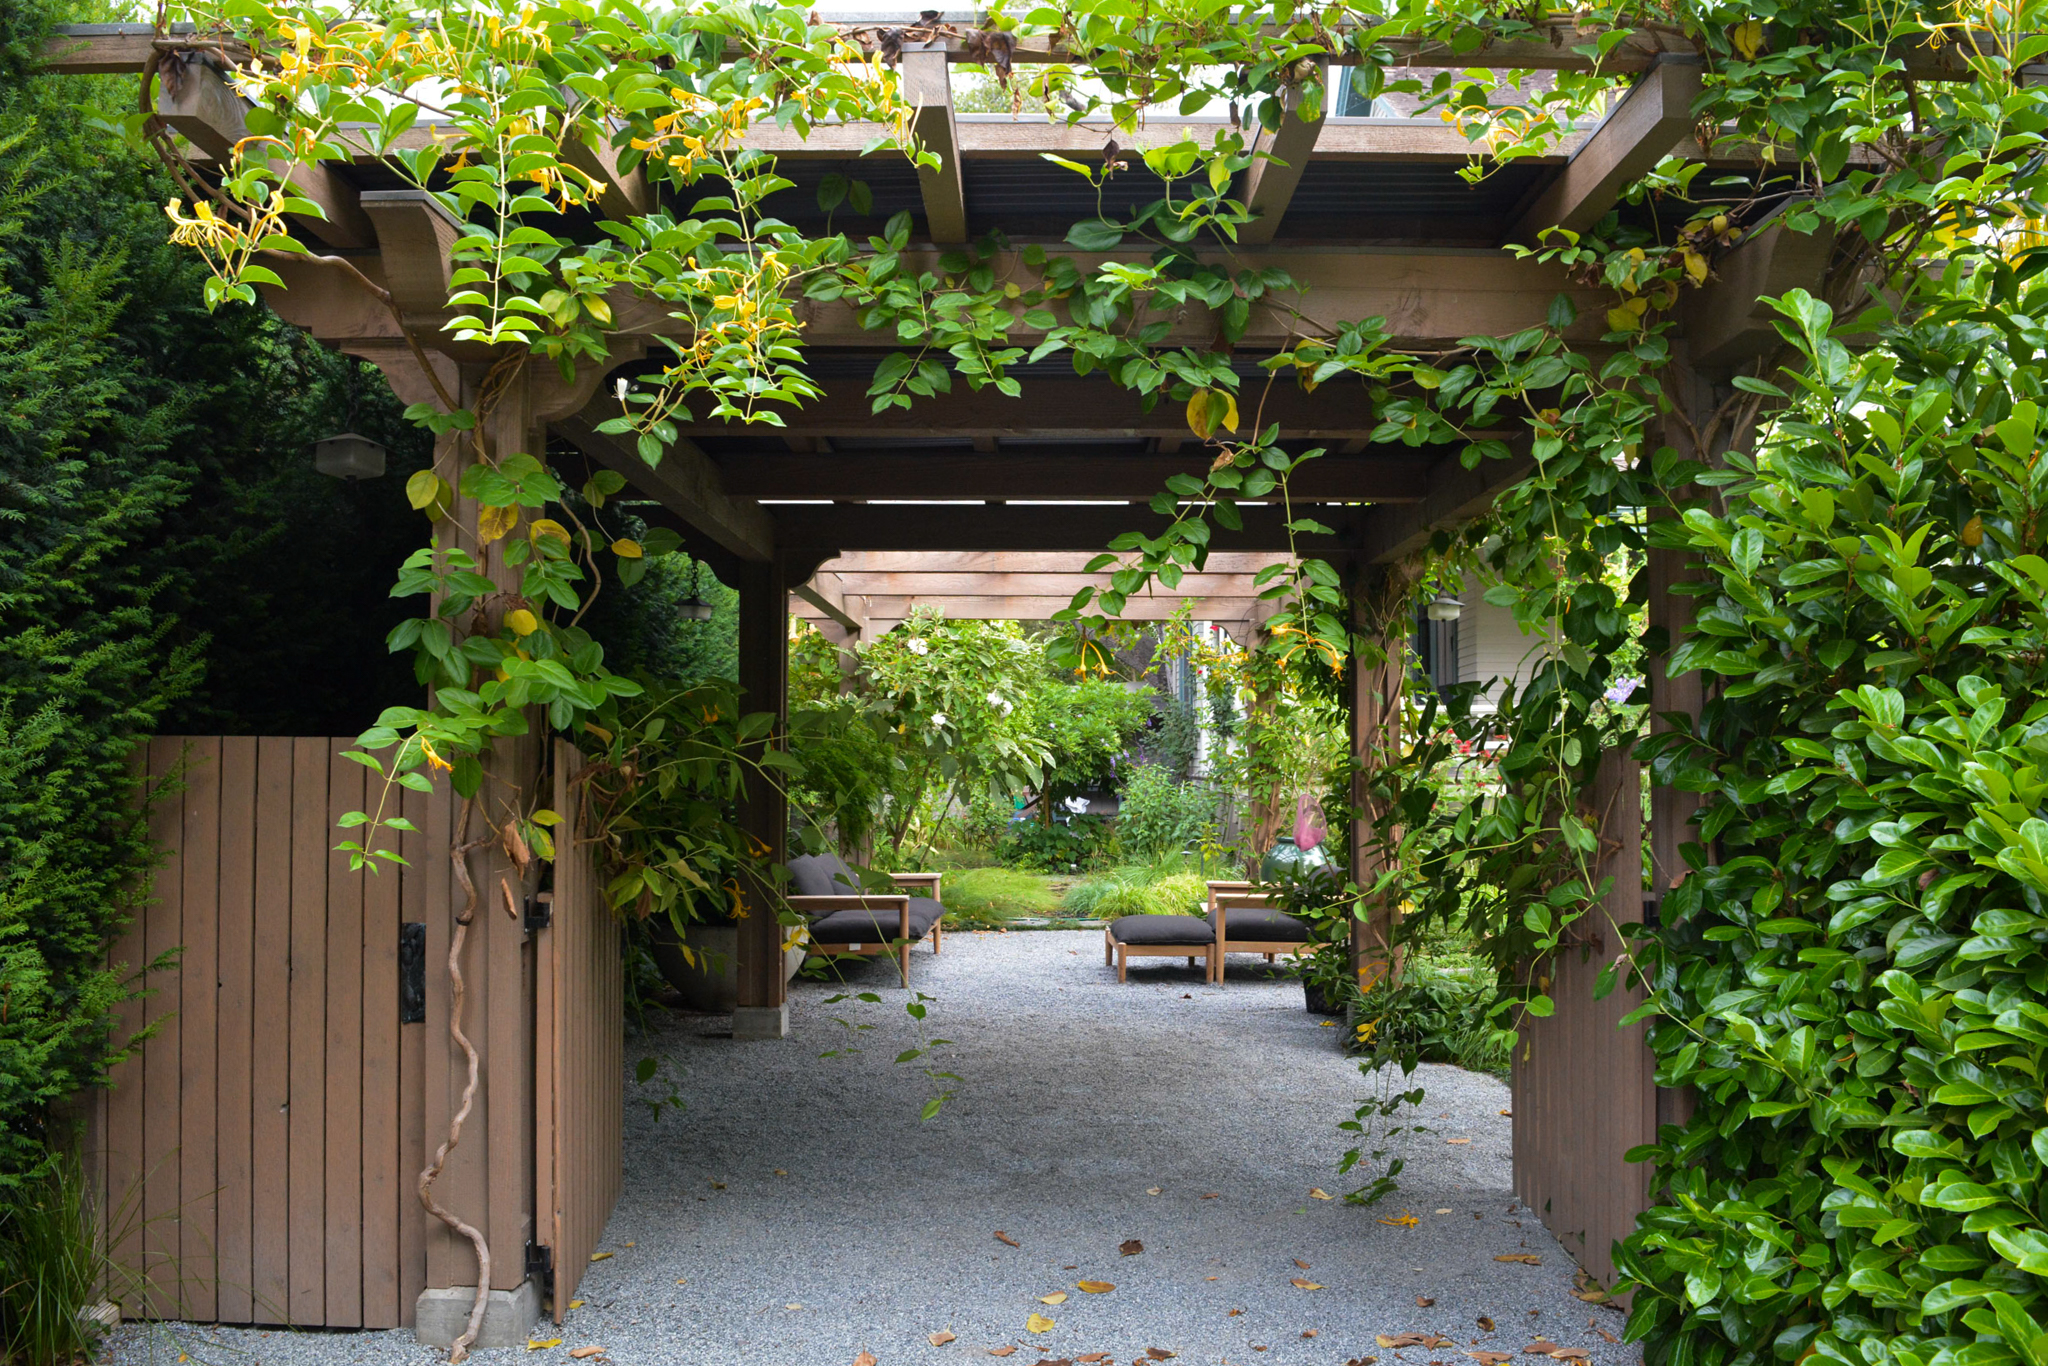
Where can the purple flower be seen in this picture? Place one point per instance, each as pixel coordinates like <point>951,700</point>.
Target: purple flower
<point>1619,693</point>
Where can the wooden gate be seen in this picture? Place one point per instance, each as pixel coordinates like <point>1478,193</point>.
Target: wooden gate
<point>256,1154</point>
<point>580,1023</point>
<point>1585,1090</point>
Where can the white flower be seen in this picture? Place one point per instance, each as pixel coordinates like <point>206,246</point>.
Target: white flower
<point>938,718</point>
<point>916,646</point>
<point>996,699</point>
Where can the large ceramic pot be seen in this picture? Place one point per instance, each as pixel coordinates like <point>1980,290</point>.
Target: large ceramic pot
<point>712,983</point>
<point>1317,1001</point>
<point>1287,858</point>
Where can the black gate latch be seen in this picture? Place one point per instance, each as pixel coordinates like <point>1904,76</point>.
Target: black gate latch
<point>540,911</point>
<point>540,1265</point>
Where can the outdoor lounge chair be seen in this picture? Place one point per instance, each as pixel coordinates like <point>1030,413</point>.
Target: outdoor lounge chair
<point>1158,936</point>
<point>846,921</point>
<point>1244,921</point>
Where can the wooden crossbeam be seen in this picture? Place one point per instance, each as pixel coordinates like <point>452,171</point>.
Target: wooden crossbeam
<point>860,562</point>
<point>928,85</point>
<point>621,194</point>
<point>999,526</point>
<point>685,482</point>
<point>1000,607</point>
<point>1456,496</point>
<point>1079,474</point>
<point>1269,182</point>
<point>826,594</point>
<point>414,237</point>
<point>1727,323</point>
<point>1021,583</point>
<point>1637,133</point>
<point>1561,45</point>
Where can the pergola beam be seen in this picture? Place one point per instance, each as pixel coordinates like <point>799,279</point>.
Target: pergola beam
<point>1020,583</point>
<point>1728,322</point>
<point>1270,180</point>
<point>1637,133</point>
<point>927,85</point>
<point>1456,496</point>
<point>685,482</point>
<point>1000,607</point>
<point>825,593</point>
<point>1007,526</point>
<point>1082,474</point>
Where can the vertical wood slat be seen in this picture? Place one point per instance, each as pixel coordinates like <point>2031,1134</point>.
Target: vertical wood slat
<point>160,1080</point>
<point>343,1101</point>
<point>308,1023</point>
<point>438,878</point>
<point>1584,1088</point>
<point>121,1131</point>
<point>412,1131</point>
<point>508,1061</point>
<point>271,1074</point>
<point>199,1045</point>
<point>234,1013</point>
<point>382,1087</point>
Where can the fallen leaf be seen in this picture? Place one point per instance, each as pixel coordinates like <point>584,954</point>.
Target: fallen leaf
<point>1212,1278</point>
<point>599,1256</point>
<point>1158,1354</point>
<point>1605,1334</point>
<point>1092,1356</point>
<point>1423,1302</point>
<point>1525,1258</point>
<point>939,1339</point>
<point>1257,1348</point>
<point>1489,1358</point>
<point>1155,1190</point>
<point>1443,1211</point>
<point>1485,1324</point>
<point>1038,1323</point>
<point>1308,1332</point>
<point>1003,1237</point>
<point>864,1359</point>
<point>578,1304</point>
<point>1130,1247</point>
<point>1056,1297</point>
<point>1095,1287</point>
<point>780,1172</point>
<point>632,1244</point>
<point>1300,1263</point>
<point>1001,1351</point>
<point>1584,1287</point>
<point>579,1353</point>
<point>1509,1113</point>
<point>1403,1220</point>
<point>1299,1284</point>
<point>718,1185</point>
<point>1213,1195</point>
<point>1541,1347</point>
<point>679,1281</point>
<point>1571,1354</point>
<point>1401,1339</point>
<point>1233,1313</point>
<point>533,1345</point>
<point>792,1306</point>
<point>1457,1140</point>
<point>1318,1193</point>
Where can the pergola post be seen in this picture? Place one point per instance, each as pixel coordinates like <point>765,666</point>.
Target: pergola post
<point>1376,686</point>
<point>762,1011</point>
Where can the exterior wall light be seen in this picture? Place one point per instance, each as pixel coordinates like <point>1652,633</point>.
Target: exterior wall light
<point>349,456</point>
<point>1444,607</point>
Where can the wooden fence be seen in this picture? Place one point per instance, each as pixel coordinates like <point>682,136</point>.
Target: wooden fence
<point>258,1154</point>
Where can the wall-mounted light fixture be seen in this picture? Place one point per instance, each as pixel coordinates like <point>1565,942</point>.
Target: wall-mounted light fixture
<point>1444,607</point>
<point>349,456</point>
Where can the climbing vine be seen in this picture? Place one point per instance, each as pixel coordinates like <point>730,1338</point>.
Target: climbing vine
<point>1849,977</point>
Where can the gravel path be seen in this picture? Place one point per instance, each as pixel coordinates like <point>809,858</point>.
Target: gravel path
<point>799,1212</point>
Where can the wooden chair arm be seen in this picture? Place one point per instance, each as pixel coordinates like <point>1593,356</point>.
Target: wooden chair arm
<point>912,879</point>
<point>874,901</point>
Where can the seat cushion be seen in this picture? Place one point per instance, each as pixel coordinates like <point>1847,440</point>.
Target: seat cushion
<point>876,925</point>
<point>821,875</point>
<point>1259,924</point>
<point>1161,929</point>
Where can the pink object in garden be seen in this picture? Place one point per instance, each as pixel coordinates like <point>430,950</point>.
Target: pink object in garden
<point>1309,828</point>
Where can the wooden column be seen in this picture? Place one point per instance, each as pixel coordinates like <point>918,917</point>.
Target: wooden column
<point>762,1011</point>
<point>1376,743</point>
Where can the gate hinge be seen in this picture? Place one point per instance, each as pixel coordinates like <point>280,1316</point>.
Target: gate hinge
<point>540,1265</point>
<point>540,911</point>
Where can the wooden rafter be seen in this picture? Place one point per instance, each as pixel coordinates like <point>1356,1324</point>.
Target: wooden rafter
<point>1637,133</point>
<point>1387,478</point>
<point>685,482</point>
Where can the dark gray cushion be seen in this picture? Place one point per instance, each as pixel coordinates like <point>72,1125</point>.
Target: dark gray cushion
<point>877,924</point>
<point>1259,923</point>
<point>1160,929</point>
<point>821,875</point>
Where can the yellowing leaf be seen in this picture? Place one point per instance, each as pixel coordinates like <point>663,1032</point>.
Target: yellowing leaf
<point>1199,421</point>
<point>1095,1287</point>
<point>1229,413</point>
<point>533,1345</point>
<point>1038,1323</point>
<point>578,1304</point>
<point>599,1256</point>
<point>1318,1193</point>
<point>1973,532</point>
<point>1748,38</point>
<point>1299,1284</point>
<point>522,622</point>
<point>1695,266</point>
<point>625,549</point>
<point>1526,1258</point>
<point>1621,320</point>
<point>548,526</point>
<point>423,490</point>
<point>598,308</point>
<point>1056,1297</point>
<point>1403,1220</point>
<point>939,1339</point>
<point>494,524</point>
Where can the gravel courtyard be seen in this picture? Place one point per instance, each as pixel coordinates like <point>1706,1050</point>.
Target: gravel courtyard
<point>798,1211</point>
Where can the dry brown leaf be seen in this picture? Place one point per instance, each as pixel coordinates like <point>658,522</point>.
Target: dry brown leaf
<point>1584,1287</point>
<point>579,1353</point>
<point>1457,1140</point>
<point>1001,1351</point>
<point>1039,1323</point>
<point>1233,1313</point>
<point>1308,1332</point>
<point>1155,1190</point>
<point>1485,1324</point>
<point>1300,1263</point>
<point>1158,1354</point>
<point>864,1359</point>
<point>1056,1297</point>
<point>1318,1193</point>
<point>1401,1339</point>
<point>1130,1247</point>
<point>1299,1284</point>
<point>1095,1287</point>
<point>1489,1358</point>
<point>1605,1334</point>
<point>1051,1361</point>
<point>1571,1354</point>
<point>1525,1258</point>
<point>1003,1237</point>
<point>1092,1356</point>
<point>939,1339</point>
<point>1213,1195</point>
<point>1541,1347</point>
<point>1423,1302</point>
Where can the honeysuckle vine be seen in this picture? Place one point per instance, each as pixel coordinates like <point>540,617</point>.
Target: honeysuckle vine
<point>1850,978</point>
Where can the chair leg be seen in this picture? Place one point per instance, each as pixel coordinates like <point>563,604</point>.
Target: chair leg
<point>1123,963</point>
<point>1269,958</point>
<point>903,963</point>
<point>1108,949</point>
<point>938,936</point>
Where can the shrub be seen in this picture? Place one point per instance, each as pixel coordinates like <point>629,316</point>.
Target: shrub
<point>1136,891</point>
<point>1059,846</point>
<point>1440,1010</point>
<point>1160,816</point>
<point>992,896</point>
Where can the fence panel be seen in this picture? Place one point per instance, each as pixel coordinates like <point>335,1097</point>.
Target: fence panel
<point>1584,1088</point>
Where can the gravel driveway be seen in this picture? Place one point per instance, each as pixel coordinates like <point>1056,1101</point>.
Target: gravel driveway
<point>798,1211</point>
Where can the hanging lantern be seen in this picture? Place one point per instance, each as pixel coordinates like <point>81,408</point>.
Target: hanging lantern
<point>694,608</point>
<point>1444,607</point>
<point>348,456</point>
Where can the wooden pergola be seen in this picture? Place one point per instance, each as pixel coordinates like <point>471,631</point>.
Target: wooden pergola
<point>986,505</point>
